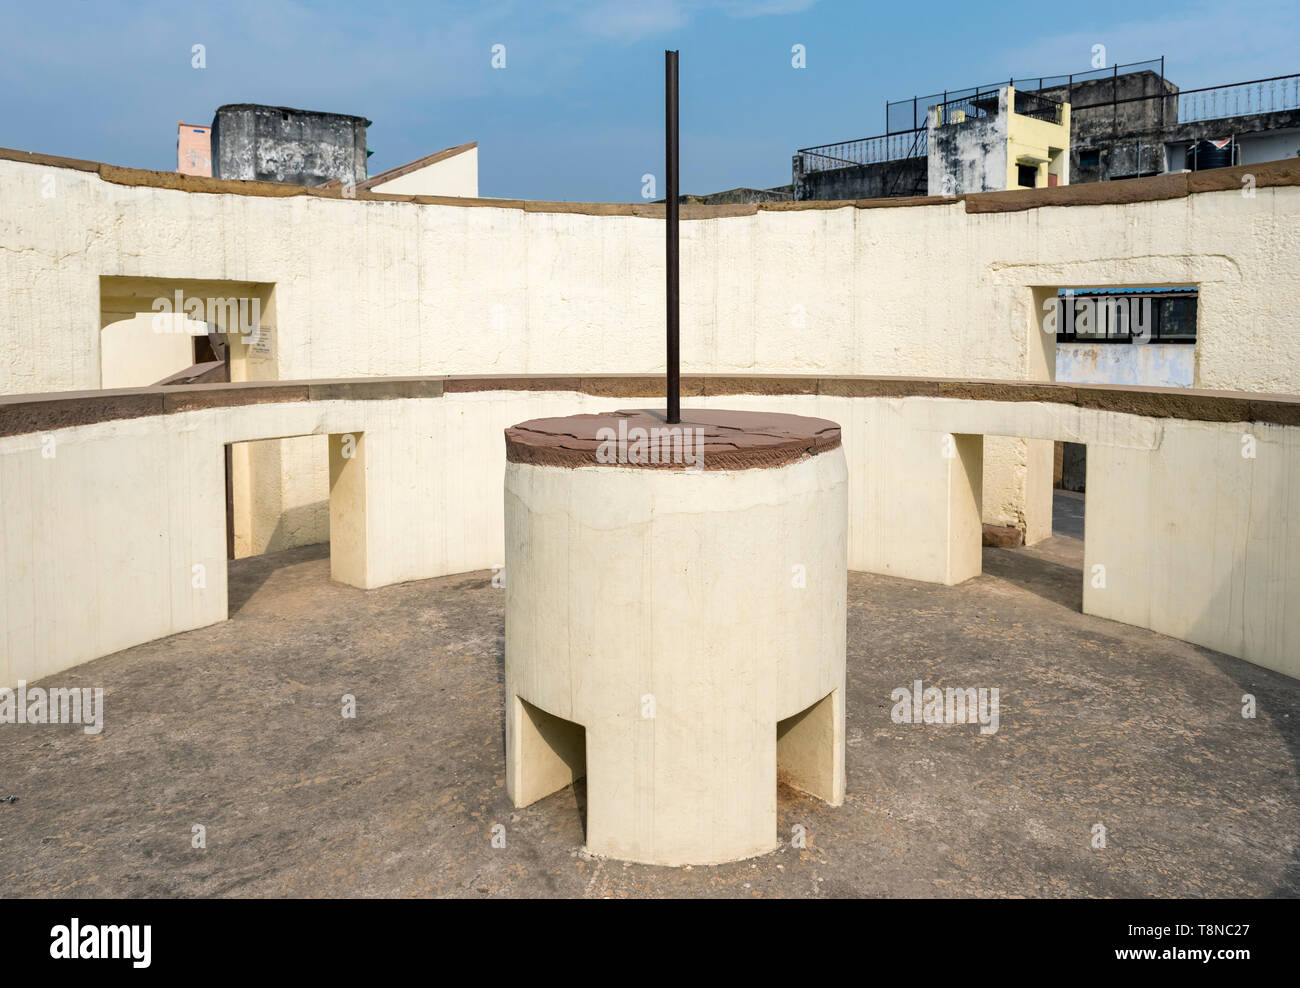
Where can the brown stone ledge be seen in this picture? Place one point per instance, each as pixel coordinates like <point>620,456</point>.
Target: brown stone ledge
<point>22,414</point>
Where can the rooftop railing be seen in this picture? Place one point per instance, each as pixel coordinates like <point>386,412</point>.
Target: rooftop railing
<point>1235,99</point>
<point>865,151</point>
<point>1039,107</point>
<point>971,105</point>
<point>1275,94</point>
<point>907,115</point>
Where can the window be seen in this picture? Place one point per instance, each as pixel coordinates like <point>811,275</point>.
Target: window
<point>1090,158</point>
<point>1127,315</point>
<point>1176,320</point>
<point>1027,176</point>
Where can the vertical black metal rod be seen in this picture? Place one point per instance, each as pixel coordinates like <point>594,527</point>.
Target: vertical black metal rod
<point>671,255</point>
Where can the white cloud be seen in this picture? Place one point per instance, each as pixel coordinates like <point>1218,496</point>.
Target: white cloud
<point>631,20</point>
<point>625,21</point>
<point>1205,44</point>
<point>763,8</point>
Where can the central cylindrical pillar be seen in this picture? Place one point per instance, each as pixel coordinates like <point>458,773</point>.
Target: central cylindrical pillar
<point>675,624</point>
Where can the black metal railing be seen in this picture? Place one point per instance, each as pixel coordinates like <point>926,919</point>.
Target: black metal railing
<point>865,151</point>
<point>969,105</point>
<point>975,106</point>
<point>909,114</point>
<point>1037,106</point>
<point>1220,102</point>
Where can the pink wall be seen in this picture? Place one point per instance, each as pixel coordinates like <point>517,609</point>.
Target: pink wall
<point>193,150</point>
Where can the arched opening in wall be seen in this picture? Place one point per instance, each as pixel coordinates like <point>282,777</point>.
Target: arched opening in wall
<point>1051,565</point>
<point>1052,568</point>
<point>548,754</point>
<point>302,503</point>
<point>179,331</point>
<point>277,495</point>
<point>806,751</point>
<point>185,331</point>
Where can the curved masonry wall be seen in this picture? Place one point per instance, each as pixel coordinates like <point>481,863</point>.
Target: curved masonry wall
<point>111,499</point>
<point>399,285</point>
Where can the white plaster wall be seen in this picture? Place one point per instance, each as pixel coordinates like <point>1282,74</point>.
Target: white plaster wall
<point>1206,546</point>
<point>98,542</point>
<point>370,288</point>
<point>1190,522</point>
<point>101,530</point>
<point>367,288</point>
<point>1265,146</point>
<point>134,355</point>
<point>969,155</point>
<point>454,176</point>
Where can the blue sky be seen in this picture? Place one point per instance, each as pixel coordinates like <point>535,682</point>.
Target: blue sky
<point>577,113</point>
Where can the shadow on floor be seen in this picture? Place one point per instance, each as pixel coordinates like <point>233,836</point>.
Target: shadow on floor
<point>1058,582</point>
<point>237,725</point>
<point>1053,568</point>
<point>244,577</point>
<point>1272,691</point>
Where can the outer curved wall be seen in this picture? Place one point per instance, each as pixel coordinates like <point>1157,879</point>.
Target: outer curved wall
<point>373,287</point>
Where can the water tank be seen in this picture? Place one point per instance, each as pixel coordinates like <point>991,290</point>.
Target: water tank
<point>1212,154</point>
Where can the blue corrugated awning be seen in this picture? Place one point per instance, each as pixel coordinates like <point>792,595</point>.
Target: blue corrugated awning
<point>1098,292</point>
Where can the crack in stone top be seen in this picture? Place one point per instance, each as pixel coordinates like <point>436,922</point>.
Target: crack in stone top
<point>706,438</point>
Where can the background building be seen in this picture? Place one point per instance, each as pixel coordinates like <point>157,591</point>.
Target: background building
<point>450,172</point>
<point>1126,121</point>
<point>280,144</point>
<point>193,149</point>
<point>1001,140</point>
<point>305,147</point>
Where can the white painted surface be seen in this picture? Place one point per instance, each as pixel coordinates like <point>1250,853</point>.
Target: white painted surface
<point>454,176</point>
<point>1203,543</point>
<point>376,288</point>
<point>97,544</point>
<point>134,355</point>
<point>1160,365</point>
<point>1270,145</point>
<point>657,608</point>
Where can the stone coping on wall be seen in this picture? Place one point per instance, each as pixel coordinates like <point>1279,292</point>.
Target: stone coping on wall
<point>703,439</point>
<point>1175,185</point>
<point>23,414</point>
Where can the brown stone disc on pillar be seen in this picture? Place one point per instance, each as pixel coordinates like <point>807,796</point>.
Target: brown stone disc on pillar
<point>706,438</point>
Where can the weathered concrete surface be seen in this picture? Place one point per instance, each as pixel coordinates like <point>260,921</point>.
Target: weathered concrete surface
<point>284,145</point>
<point>718,598</point>
<point>238,727</point>
<point>488,286</point>
<point>900,176</point>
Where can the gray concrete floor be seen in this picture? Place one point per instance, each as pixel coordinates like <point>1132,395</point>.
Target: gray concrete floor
<point>237,727</point>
